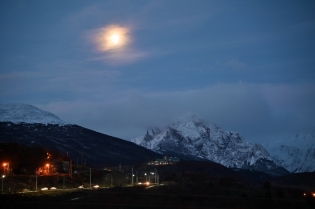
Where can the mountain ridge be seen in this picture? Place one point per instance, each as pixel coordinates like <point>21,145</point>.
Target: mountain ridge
<point>188,138</point>
<point>196,138</point>
<point>25,113</point>
<point>28,125</point>
<point>296,153</point>
<point>80,143</point>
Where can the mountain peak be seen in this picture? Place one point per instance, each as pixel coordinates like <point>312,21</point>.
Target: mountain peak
<point>191,137</point>
<point>296,153</point>
<point>19,113</point>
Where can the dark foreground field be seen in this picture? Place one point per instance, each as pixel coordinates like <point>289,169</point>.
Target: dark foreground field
<point>187,195</point>
<point>185,185</point>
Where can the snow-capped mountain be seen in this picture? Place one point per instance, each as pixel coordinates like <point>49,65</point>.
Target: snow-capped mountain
<point>295,153</point>
<point>26,124</point>
<point>191,136</point>
<point>18,113</point>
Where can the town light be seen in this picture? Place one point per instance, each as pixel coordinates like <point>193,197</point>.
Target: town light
<point>6,166</point>
<point>47,165</point>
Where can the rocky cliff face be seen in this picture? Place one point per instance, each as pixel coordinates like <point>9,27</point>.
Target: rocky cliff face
<point>193,137</point>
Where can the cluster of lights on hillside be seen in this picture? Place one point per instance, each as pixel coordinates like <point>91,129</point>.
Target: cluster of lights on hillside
<point>312,194</point>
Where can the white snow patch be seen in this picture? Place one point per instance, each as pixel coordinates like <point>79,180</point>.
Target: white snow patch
<point>18,113</point>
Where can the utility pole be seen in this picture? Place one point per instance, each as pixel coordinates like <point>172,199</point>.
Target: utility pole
<point>155,175</point>
<point>36,179</point>
<point>90,179</point>
<point>70,168</point>
<point>2,182</point>
<point>132,176</point>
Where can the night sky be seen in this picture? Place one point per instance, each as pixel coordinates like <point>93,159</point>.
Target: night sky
<point>120,67</point>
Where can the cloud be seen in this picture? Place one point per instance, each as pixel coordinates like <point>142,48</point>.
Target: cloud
<point>122,57</point>
<point>113,45</point>
<point>53,81</point>
<point>243,107</point>
<point>297,100</point>
<point>112,38</point>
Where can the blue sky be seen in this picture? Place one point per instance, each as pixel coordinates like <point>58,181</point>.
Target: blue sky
<point>246,66</point>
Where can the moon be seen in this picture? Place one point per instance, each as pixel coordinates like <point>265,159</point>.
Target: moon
<point>112,38</point>
<point>115,39</point>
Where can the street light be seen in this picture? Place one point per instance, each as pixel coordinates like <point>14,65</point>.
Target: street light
<point>4,167</point>
<point>2,182</point>
<point>155,175</point>
<point>36,179</point>
<point>152,175</point>
<point>90,179</point>
<point>89,175</point>
<point>132,176</point>
<point>4,164</point>
<point>47,165</point>
<point>111,179</point>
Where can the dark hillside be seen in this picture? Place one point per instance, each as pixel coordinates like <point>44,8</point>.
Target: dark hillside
<point>83,145</point>
<point>297,180</point>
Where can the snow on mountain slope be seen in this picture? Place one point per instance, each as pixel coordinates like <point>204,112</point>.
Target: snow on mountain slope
<point>191,136</point>
<point>17,113</point>
<point>26,124</point>
<point>295,153</point>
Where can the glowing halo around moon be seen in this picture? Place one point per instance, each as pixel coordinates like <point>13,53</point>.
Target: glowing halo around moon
<point>112,37</point>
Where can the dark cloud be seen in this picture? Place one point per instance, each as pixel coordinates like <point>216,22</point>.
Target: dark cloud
<point>246,108</point>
